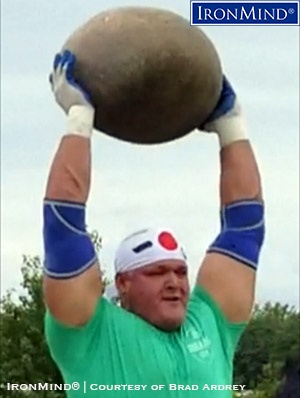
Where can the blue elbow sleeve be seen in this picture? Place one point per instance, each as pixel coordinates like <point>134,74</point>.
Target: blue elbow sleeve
<point>243,231</point>
<point>68,248</point>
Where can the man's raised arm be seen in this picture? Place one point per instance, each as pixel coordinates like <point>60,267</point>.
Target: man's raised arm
<point>72,279</point>
<point>228,271</point>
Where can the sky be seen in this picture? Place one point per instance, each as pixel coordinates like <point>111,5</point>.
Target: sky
<point>173,185</point>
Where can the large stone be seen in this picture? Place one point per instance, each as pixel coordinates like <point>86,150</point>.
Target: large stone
<point>152,77</point>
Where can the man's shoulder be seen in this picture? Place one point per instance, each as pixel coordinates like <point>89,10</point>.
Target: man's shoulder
<point>108,325</point>
<point>201,308</point>
<point>200,298</point>
<point>105,311</point>
<point>204,314</point>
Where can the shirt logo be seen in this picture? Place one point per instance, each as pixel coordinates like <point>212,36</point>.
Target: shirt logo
<point>198,344</point>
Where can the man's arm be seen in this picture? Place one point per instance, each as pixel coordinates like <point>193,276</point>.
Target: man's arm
<point>72,278</point>
<point>228,271</point>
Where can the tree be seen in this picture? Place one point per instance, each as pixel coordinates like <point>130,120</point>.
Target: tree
<point>270,338</point>
<point>24,353</point>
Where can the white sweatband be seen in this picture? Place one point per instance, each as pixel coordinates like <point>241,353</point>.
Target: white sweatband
<point>80,121</point>
<point>144,248</point>
<point>230,127</point>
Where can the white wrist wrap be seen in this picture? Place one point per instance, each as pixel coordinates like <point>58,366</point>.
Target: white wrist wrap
<point>230,127</point>
<point>80,121</point>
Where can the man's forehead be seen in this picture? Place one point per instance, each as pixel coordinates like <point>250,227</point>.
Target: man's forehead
<point>164,264</point>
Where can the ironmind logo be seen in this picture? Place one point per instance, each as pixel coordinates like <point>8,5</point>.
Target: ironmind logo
<point>244,13</point>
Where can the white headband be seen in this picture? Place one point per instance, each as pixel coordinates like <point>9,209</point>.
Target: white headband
<point>143,248</point>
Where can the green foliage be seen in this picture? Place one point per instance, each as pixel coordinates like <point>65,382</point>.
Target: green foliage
<point>24,354</point>
<point>270,338</point>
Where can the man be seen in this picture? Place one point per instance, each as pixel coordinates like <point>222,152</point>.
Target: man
<point>162,340</point>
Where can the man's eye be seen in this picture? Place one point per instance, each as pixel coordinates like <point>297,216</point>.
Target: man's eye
<point>182,272</point>
<point>156,273</point>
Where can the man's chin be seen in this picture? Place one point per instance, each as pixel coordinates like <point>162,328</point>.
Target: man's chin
<point>171,320</point>
<point>167,316</point>
<point>170,325</point>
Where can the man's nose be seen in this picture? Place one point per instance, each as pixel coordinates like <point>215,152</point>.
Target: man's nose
<point>172,281</point>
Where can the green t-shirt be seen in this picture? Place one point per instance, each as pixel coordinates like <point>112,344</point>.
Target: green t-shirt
<point>117,354</point>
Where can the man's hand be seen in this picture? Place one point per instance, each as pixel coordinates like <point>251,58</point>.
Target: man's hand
<point>71,97</point>
<point>227,119</point>
<point>66,90</point>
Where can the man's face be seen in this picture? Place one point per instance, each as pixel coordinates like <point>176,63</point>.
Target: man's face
<point>157,293</point>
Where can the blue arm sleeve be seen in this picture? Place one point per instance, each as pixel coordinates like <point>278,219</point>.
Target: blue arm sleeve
<point>68,248</point>
<point>243,232</point>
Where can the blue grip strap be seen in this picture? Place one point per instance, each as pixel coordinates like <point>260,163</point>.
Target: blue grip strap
<point>68,248</point>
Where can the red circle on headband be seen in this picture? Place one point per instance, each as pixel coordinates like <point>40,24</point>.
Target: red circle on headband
<point>167,241</point>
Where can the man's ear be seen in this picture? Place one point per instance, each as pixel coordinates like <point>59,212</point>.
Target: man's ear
<point>122,283</point>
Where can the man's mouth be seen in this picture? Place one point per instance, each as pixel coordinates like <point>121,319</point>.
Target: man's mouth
<point>173,299</point>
